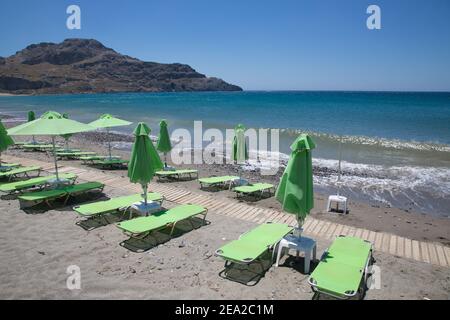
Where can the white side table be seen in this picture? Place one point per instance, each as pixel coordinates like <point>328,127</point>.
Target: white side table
<point>142,209</point>
<point>300,244</point>
<point>339,200</point>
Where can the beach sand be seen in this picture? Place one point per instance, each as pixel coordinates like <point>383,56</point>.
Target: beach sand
<point>37,249</point>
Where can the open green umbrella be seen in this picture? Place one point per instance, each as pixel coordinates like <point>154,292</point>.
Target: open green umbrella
<point>31,117</point>
<point>164,144</point>
<point>51,124</point>
<point>295,191</point>
<point>144,160</point>
<point>108,121</point>
<point>5,140</point>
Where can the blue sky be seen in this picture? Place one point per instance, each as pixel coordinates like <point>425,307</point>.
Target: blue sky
<point>259,44</point>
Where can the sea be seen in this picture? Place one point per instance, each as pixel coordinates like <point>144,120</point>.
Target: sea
<point>394,146</point>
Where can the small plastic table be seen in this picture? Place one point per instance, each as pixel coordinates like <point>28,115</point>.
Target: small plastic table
<point>339,200</point>
<point>145,210</point>
<point>300,244</point>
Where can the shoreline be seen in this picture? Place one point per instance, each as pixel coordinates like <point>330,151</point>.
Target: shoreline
<point>378,218</point>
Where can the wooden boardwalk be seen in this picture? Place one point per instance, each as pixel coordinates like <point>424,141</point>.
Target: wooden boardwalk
<point>433,253</point>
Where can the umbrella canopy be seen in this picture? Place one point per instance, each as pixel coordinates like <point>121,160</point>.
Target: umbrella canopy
<point>164,145</point>
<point>52,124</point>
<point>5,140</point>
<point>295,191</point>
<point>108,121</point>
<point>239,152</point>
<point>144,161</point>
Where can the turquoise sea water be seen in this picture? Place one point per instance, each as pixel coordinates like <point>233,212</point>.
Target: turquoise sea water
<point>396,146</point>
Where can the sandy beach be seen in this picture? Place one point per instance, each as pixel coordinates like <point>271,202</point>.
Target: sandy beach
<point>38,248</point>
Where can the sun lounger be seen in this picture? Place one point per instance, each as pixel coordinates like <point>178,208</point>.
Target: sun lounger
<point>74,155</point>
<point>34,198</point>
<point>177,174</point>
<point>257,190</point>
<point>252,245</point>
<point>20,171</point>
<point>38,182</point>
<point>8,166</point>
<point>142,227</point>
<point>114,204</point>
<point>218,182</point>
<point>111,163</point>
<point>343,270</point>
<point>37,147</point>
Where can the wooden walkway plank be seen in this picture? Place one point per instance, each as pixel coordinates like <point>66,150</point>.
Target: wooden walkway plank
<point>424,251</point>
<point>441,256</point>
<point>432,254</point>
<point>393,245</point>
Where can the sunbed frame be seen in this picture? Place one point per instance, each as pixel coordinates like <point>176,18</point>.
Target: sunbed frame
<point>268,191</point>
<point>229,262</point>
<point>317,291</point>
<point>176,175</point>
<point>170,225</point>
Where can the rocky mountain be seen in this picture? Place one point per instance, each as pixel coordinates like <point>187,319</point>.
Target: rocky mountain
<point>87,66</point>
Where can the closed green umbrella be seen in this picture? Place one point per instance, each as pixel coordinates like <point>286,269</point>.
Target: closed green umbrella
<point>31,117</point>
<point>144,160</point>
<point>295,191</point>
<point>164,144</point>
<point>5,140</point>
<point>108,121</point>
<point>239,151</point>
<point>52,124</point>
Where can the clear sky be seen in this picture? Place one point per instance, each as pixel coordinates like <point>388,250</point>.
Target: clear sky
<point>259,44</point>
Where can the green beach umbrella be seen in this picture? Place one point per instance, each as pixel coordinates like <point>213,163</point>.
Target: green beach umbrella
<point>31,117</point>
<point>5,140</point>
<point>108,121</point>
<point>144,161</point>
<point>295,191</point>
<point>51,124</point>
<point>239,152</point>
<point>164,145</point>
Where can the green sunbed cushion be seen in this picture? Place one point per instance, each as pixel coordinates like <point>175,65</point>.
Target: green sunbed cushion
<point>10,165</point>
<point>37,146</point>
<point>55,193</point>
<point>254,243</point>
<point>254,187</point>
<point>175,172</point>
<point>18,185</point>
<point>113,204</point>
<point>18,171</point>
<point>111,161</point>
<point>160,219</point>
<point>342,268</point>
<point>74,154</point>
<point>88,158</point>
<point>215,180</point>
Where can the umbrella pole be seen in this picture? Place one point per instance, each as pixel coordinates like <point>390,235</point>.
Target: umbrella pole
<point>109,143</point>
<point>55,158</point>
<point>67,144</point>
<point>144,187</point>
<point>165,159</point>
